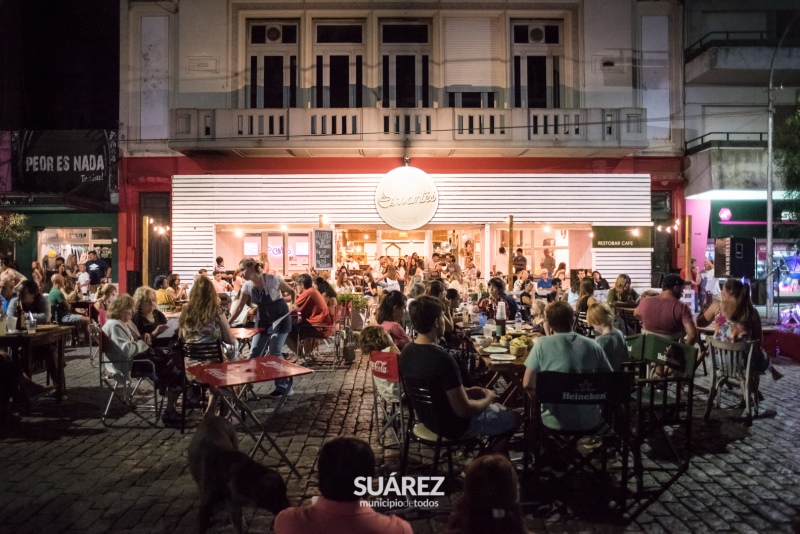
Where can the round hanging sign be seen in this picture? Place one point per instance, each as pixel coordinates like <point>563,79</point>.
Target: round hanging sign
<point>406,198</point>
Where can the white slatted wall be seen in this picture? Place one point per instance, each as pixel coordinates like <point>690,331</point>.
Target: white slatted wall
<point>633,262</point>
<point>200,202</point>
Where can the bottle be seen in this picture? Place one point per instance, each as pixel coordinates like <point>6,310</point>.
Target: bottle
<point>500,319</point>
<point>518,321</point>
<point>20,317</point>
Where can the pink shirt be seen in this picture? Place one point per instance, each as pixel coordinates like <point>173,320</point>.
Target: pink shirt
<point>664,315</point>
<point>334,517</point>
<point>397,332</point>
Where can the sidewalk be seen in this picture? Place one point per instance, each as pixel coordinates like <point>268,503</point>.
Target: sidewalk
<point>61,470</point>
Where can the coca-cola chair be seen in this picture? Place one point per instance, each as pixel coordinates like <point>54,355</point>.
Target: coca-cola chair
<point>605,465</point>
<point>387,393</point>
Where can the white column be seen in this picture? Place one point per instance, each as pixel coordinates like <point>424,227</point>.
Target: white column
<point>487,251</point>
<point>378,244</point>
<point>336,266</point>
<point>428,243</point>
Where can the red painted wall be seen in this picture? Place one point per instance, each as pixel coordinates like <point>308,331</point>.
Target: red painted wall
<point>154,174</point>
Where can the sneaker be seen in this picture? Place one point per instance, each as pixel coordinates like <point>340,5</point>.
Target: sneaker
<point>278,393</point>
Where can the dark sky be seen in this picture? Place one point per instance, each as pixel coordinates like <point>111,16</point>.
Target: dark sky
<point>59,64</point>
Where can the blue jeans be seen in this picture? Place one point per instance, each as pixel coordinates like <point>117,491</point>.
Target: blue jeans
<point>266,343</point>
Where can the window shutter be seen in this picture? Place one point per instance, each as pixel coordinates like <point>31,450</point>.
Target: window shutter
<point>471,52</point>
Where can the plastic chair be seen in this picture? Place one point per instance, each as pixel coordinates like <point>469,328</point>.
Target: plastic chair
<point>342,335</point>
<point>387,394</point>
<point>122,379</point>
<point>610,394</point>
<point>731,361</point>
<point>423,426</point>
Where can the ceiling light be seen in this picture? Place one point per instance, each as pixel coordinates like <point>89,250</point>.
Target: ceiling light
<point>283,228</point>
<point>546,228</point>
<point>239,233</point>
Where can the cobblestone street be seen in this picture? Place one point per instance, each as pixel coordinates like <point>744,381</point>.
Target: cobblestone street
<point>61,470</point>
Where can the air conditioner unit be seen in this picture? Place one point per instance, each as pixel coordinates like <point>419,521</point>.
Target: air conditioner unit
<point>536,34</point>
<point>273,34</point>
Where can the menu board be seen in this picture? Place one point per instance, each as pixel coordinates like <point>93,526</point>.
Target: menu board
<point>323,249</point>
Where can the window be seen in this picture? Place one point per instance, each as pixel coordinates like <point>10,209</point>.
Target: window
<point>272,50</point>
<point>405,64</point>
<point>339,64</point>
<point>538,52</point>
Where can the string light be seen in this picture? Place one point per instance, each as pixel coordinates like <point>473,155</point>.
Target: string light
<point>635,232</point>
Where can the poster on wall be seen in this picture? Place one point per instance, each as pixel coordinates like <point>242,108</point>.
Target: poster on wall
<point>323,249</point>
<point>79,163</point>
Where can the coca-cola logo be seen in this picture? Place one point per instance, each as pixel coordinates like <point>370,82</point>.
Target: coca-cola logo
<point>379,366</point>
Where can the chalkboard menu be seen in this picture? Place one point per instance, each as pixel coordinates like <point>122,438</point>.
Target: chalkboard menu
<point>323,249</point>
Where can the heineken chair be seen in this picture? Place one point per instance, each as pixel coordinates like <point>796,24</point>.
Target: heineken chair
<point>663,395</point>
<point>567,398</point>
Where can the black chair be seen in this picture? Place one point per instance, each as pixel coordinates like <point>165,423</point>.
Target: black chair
<point>198,353</point>
<point>663,393</point>
<point>423,425</point>
<point>656,279</point>
<point>609,393</point>
<point>629,321</point>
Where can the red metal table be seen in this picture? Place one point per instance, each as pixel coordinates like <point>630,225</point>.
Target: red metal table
<point>245,336</point>
<point>223,377</point>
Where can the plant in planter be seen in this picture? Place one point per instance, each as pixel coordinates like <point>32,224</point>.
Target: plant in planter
<point>358,308</point>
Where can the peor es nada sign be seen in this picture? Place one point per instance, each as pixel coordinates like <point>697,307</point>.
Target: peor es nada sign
<point>77,162</point>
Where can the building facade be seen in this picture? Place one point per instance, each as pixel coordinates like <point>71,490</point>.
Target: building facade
<point>259,118</point>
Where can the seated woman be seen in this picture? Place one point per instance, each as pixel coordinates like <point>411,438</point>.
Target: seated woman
<point>436,289</point>
<point>237,280</point>
<point>376,339</point>
<point>621,294</point>
<point>526,297</point>
<point>147,318</point>
<point>736,320</point>
<point>203,320</point>
<point>585,299</point>
<point>391,280</point>
<point>390,315</point>
<point>163,295</point>
<point>103,298</point>
<point>62,310</point>
<point>175,289</point>
<point>600,283</point>
<point>37,306</point>
<point>128,344</point>
<point>601,319</point>
<point>343,283</point>
<point>519,283</point>
<point>560,272</point>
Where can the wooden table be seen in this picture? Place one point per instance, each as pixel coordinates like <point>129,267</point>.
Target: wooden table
<point>22,347</point>
<point>512,371</point>
<point>223,377</point>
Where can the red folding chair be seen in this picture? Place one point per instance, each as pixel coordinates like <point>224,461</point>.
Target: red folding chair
<point>387,393</point>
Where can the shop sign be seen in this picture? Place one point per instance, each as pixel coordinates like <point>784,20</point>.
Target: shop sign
<point>747,218</point>
<point>406,198</point>
<point>621,236</point>
<point>76,162</point>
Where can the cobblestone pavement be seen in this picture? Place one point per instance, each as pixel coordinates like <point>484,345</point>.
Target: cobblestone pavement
<point>61,470</point>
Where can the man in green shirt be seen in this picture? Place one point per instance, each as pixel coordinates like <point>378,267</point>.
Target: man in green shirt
<point>566,352</point>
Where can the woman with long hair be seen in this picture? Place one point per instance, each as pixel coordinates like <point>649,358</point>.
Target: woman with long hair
<point>600,283</point>
<point>622,294</point>
<point>390,281</point>
<point>585,299</point>
<point>175,289</point>
<point>736,320</point>
<point>327,291</point>
<point>38,275</point>
<point>490,503</point>
<point>575,287</point>
<point>390,314</point>
<point>61,308</point>
<point>343,283</point>
<point>561,271</point>
<point>401,273</point>
<point>104,296</point>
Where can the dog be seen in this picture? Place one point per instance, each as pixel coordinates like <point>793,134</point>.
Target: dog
<point>226,475</point>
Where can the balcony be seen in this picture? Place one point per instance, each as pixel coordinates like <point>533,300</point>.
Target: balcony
<point>726,140</point>
<point>741,58</point>
<point>427,131</point>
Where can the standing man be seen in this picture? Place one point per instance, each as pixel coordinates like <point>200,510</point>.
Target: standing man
<point>500,261</point>
<point>666,314</point>
<point>432,266</point>
<point>453,268</point>
<point>98,270</point>
<point>693,280</point>
<point>548,262</point>
<point>520,262</point>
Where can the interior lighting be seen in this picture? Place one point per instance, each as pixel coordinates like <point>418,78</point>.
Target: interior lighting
<point>283,228</point>
<point>659,228</point>
<point>546,228</point>
<point>669,229</point>
<point>239,233</point>
<point>591,234</point>
<point>151,220</point>
<point>366,236</point>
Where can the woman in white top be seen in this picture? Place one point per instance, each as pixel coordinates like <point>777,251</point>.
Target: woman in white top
<point>127,344</point>
<point>343,283</point>
<point>391,280</point>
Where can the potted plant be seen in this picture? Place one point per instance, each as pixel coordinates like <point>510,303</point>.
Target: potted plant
<point>358,308</point>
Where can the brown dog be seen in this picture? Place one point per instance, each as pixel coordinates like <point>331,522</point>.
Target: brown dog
<point>224,474</point>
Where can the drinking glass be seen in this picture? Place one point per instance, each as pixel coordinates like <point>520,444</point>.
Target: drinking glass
<point>30,325</point>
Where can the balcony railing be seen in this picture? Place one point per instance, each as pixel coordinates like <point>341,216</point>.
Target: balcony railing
<point>726,139</point>
<point>216,128</point>
<point>736,38</point>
